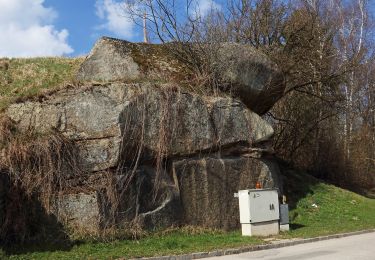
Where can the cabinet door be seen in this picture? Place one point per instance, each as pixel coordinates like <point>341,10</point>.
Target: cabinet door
<point>244,203</point>
<point>264,206</point>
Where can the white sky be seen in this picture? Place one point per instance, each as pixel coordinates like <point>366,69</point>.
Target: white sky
<point>26,29</point>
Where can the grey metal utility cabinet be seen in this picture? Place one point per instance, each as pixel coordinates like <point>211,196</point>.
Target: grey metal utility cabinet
<point>259,212</point>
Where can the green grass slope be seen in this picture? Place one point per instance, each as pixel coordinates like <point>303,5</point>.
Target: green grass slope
<point>23,78</point>
<point>316,209</point>
<point>319,209</point>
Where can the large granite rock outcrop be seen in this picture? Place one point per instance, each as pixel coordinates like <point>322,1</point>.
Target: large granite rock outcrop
<point>254,78</point>
<point>177,157</point>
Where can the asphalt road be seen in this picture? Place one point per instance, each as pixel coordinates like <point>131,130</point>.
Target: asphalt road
<point>357,247</point>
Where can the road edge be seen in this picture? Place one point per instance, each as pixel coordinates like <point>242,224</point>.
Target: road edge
<point>245,249</point>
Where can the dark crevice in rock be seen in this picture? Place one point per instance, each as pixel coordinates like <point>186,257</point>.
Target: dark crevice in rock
<point>94,138</point>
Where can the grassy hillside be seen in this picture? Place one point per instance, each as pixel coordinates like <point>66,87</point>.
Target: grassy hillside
<point>20,78</point>
<point>319,209</point>
<point>336,210</point>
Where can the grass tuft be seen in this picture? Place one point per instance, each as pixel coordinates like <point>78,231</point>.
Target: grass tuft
<point>27,77</point>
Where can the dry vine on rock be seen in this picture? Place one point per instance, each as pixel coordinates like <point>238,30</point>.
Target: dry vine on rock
<point>36,168</point>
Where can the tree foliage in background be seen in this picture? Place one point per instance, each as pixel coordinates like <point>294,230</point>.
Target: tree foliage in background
<point>326,120</point>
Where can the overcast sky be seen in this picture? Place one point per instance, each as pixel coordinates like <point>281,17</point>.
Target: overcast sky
<point>66,27</point>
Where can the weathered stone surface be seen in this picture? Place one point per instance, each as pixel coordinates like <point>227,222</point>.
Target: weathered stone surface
<point>207,186</point>
<point>100,154</point>
<point>89,116</point>
<point>107,62</point>
<point>113,59</point>
<point>155,207</point>
<point>90,212</point>
<point>79,211</point>
<point>171,123</point>
<point>167,214</point>
<point>255,79</point>
<point>270,176</point>
<point>235,123</point>
<point>110,121</point>
<point>34,115</point>
<point>78,113</point>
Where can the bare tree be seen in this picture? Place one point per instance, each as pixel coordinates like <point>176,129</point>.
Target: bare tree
<point>324,51</point>
<point>174,23</point>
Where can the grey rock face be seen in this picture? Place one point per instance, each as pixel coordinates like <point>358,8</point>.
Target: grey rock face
<point>89,116</point>
<point>207,186</point>
<point>254,78</point>
<point>171,123</point>
<point>106,62</point>
<point>235,123</point>
<point>167,214</point>
<point>269,175</point>
<point>89,212</point>
<point>113,60</point>
<point>80,211</point>
<point>108,121</point>
<point>100,154</point>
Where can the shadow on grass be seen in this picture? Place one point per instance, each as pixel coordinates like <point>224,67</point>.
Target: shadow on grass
<point>294,226</point>
<point>27,248</point>
<point>51,236</point>
<point>297,185</point>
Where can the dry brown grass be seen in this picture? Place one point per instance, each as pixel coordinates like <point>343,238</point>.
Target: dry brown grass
<point>41,164</point>
<point>36,168</point>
